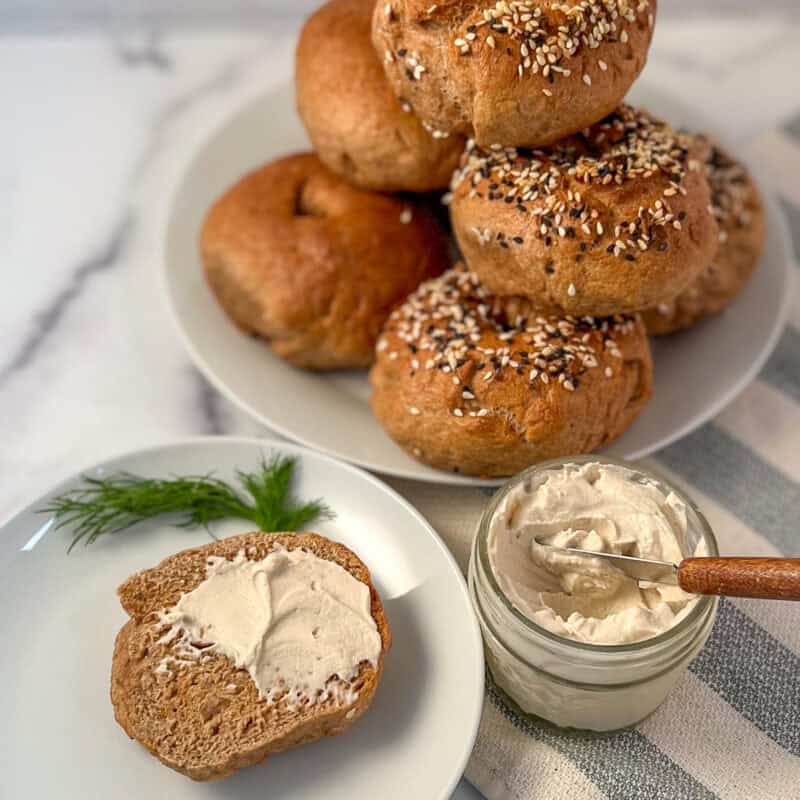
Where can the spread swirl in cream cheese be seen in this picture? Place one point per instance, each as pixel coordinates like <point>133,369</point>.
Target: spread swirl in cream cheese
<point>593,507</point>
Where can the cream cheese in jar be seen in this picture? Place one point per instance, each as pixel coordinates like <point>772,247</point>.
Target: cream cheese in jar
<point>570,638</point>
<point>593,507</point>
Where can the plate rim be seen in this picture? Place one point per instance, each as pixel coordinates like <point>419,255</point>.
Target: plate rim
<point>778,227</point>
<point>475,637</point>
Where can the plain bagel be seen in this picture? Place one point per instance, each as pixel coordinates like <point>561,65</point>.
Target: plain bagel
<point>358,127</point>
<point>296,255</point>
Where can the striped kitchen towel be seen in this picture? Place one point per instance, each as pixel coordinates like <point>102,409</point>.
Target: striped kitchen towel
<point>731,728</point>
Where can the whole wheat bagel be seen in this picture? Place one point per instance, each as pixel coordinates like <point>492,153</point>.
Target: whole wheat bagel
<point>206,718</point>
<point>486,386</point>
<point>737,209</point>
<point>358,127</point>
<point>609,221</point>
<point>513,73</point>
<point>296,255</point>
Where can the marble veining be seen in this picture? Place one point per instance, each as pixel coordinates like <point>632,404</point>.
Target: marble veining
<point>148,53</point>
<point>45,321</point>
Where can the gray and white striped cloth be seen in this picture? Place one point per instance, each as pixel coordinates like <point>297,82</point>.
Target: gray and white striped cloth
<point>731,728</point>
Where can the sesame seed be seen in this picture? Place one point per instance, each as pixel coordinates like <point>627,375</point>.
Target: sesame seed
<point>730,192</point>
<point>414,411</point>
<point>544,44</point>
<point>458,412</point>
<point>629,145</point>
<point>406,215</point>
<point>587,79</point>
<point>452,321</point>
<point>571,291</point>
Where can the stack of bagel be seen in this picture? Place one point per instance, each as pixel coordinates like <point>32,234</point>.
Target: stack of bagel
<point>583,224</point>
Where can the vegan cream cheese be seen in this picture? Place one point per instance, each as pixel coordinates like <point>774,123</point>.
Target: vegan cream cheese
<point>593,507</point>
<point>567,637</point>
<point>293,620</point>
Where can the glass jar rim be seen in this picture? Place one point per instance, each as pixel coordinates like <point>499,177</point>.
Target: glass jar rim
<point>704,605</point>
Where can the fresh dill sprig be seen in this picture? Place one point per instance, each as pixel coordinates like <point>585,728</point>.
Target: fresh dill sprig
<point>109,505</point>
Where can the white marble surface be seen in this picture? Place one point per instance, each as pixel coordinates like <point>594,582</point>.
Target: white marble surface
<point>97,128</point>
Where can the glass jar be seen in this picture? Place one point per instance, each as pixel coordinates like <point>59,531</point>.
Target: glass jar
<point>576,684</point>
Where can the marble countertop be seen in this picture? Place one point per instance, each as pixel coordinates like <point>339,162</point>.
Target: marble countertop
<point>99,123</point>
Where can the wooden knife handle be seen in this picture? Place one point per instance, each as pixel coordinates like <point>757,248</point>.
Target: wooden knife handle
<point>766,578</point>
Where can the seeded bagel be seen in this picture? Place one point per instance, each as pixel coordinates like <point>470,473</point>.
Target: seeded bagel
<point>296,255</point>
<point>737,209</point>
<point>514,73</point>
<point>207,719</point>
<point>469,382</point>
<point>359,128</point>
<point>607,222</point>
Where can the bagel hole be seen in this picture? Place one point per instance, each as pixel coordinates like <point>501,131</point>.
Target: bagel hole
<point>347,165</point>
<point>304,205</point>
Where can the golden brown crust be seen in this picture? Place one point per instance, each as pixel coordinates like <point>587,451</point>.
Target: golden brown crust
<point>487,386</point>
<point>513,73</point>
<point>207,720</point>
<point>313,265</point>
<point>610,221</point>
<point>358,127</point>
<point>740,217</point>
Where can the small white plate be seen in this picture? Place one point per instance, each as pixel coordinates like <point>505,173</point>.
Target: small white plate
<point>697,372</point>
<point>58,736</point>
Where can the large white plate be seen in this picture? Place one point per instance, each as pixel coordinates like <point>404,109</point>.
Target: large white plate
<point>58,737</point>
<point>697,373</point>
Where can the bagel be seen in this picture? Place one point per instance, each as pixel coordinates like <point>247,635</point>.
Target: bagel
<point>737,208</point>
<point>514,73</point>
<point>486,386</point>
<point>296,255</point>
<point>610,221</point>
<point>359,128</point>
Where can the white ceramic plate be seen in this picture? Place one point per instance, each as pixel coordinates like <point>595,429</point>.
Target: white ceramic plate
<point>697,373</point>
<point>58,737</point>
